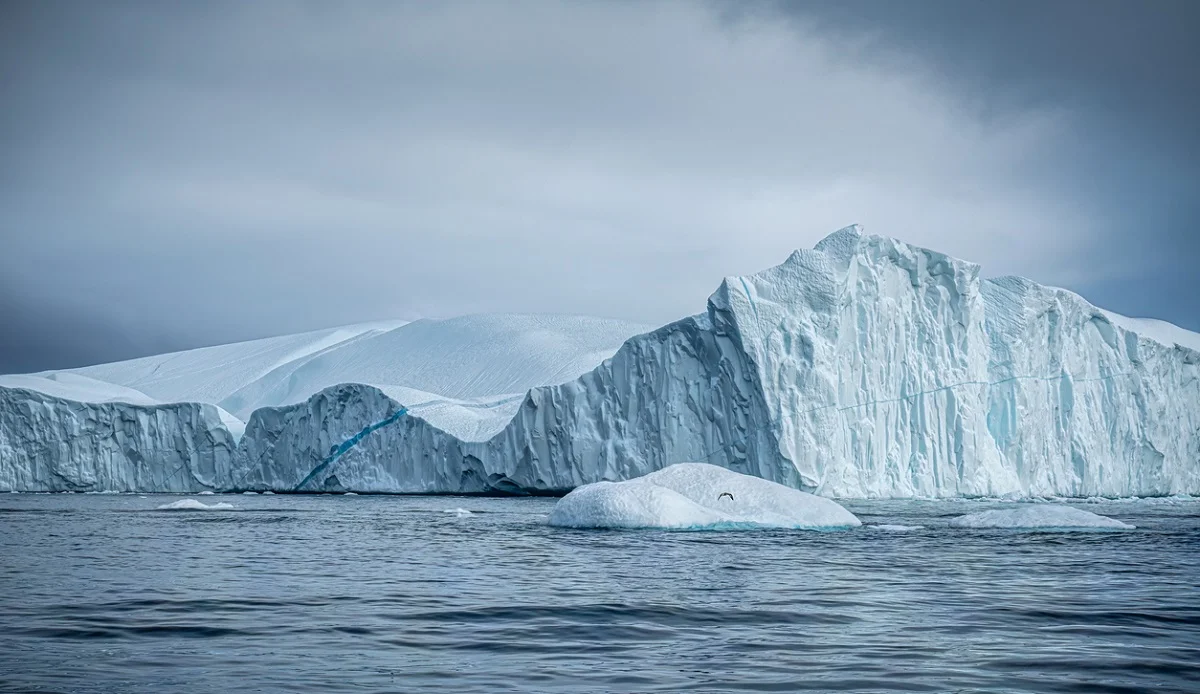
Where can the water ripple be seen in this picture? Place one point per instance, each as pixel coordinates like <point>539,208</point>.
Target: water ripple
<point>322,594</point>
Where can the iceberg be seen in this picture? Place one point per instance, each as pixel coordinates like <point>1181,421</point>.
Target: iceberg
<point>1039,517</point>
<point>193,505</point>
<point>862,368</point>
<point>697,496</point>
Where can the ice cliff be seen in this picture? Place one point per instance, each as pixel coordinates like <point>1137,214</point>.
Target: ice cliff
<point>48,443</point>
<point>864,367</point>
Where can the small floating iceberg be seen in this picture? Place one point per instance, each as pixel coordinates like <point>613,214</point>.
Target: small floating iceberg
<point>1039,517</point>
<point>697,496</point>
<point>193,505</point>
<point>460,512</point>
<point>895,528</point>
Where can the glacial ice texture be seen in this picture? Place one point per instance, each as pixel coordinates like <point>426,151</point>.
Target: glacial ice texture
<point>52,444</point>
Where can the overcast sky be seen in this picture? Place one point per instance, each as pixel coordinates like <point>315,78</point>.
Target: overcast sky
<point>176,174</point>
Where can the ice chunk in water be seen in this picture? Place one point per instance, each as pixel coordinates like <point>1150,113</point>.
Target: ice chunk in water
<point>697,496</point>
<point>193,505</point>
<point>1039,516</point>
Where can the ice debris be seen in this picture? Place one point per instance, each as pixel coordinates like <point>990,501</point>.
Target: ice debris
<point>696,496</point>
<point>1039,517</point>
<point>193,505</point>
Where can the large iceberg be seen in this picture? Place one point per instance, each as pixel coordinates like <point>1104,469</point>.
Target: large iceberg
<point>865,367</point>
<point>697,496</point>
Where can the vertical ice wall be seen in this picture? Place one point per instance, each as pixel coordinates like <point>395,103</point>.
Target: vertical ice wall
<point>1080,405</point>
<point>52,444</point>
<point>894,371</point>
<point>875,358</point>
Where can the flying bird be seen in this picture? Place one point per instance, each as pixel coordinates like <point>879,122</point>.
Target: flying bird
<point>723,494</point>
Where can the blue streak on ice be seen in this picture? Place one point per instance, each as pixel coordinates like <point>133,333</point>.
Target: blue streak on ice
<point>349,443</point>
<point>749,297</point>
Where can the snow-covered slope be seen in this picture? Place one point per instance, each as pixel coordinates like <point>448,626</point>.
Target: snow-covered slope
<point>72,386</point>
<point>1158,330</point>
<point>465,358</point>
<point>864,367</point>
<point>212,374</point>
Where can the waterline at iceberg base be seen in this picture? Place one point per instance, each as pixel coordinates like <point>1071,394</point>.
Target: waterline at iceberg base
<point>863,368</point>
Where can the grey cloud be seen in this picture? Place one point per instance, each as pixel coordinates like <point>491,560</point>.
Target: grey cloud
<point>194,173</point>
<point>1128,74</point>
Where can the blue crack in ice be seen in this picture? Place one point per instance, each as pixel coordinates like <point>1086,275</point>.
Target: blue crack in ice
<point>349,443</point>
<point>749,297</point>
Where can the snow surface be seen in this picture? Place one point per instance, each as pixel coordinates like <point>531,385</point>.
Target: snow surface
<point>193,505</point>
<point>71,386</point>
<point>1160,330</point>
<point>697,496</point>
<point>1039,516</point>
<point>213,374</point>
<point>457,359</point>
<point>862,368</point>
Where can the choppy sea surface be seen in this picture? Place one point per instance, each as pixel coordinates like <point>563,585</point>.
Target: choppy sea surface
<point>374,593</point>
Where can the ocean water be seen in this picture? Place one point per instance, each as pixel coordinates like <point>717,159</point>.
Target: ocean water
<point>371,593</point>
